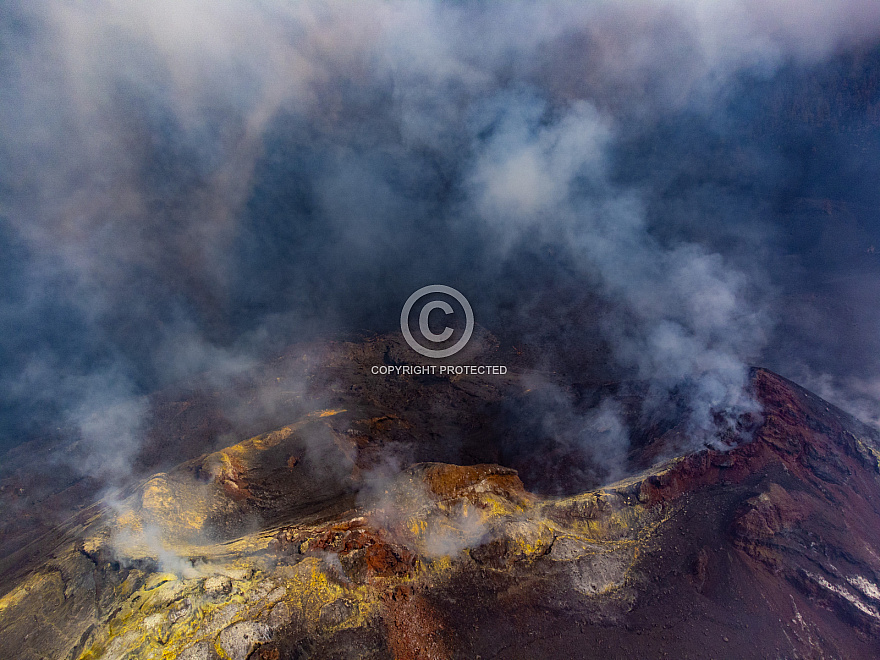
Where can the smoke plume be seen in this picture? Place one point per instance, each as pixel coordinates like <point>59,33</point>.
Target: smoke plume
<point>663,190</point>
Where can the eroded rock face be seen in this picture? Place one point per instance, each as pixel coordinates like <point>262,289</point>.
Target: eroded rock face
<point>238,640</point>
<point>771,549</point>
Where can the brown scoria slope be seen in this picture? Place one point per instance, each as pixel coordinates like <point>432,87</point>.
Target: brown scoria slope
<point>263,550</point>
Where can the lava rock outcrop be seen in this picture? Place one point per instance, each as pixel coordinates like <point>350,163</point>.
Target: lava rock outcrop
<point>299,542</point>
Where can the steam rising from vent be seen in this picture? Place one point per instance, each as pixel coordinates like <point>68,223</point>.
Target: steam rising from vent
<point>186,187</point>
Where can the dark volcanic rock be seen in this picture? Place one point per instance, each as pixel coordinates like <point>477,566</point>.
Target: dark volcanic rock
<point>770,549</point>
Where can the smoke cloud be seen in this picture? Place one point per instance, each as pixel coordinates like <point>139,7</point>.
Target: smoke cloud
<point>664,190</point>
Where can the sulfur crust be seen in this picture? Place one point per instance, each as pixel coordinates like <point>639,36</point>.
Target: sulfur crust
<point>602,523</point>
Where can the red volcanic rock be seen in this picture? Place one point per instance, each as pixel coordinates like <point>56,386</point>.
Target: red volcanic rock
<point>384,559</point>
<point>363,551</point>
<point>234,481</point>
<point>773,512</point>
<point>414,627</point>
